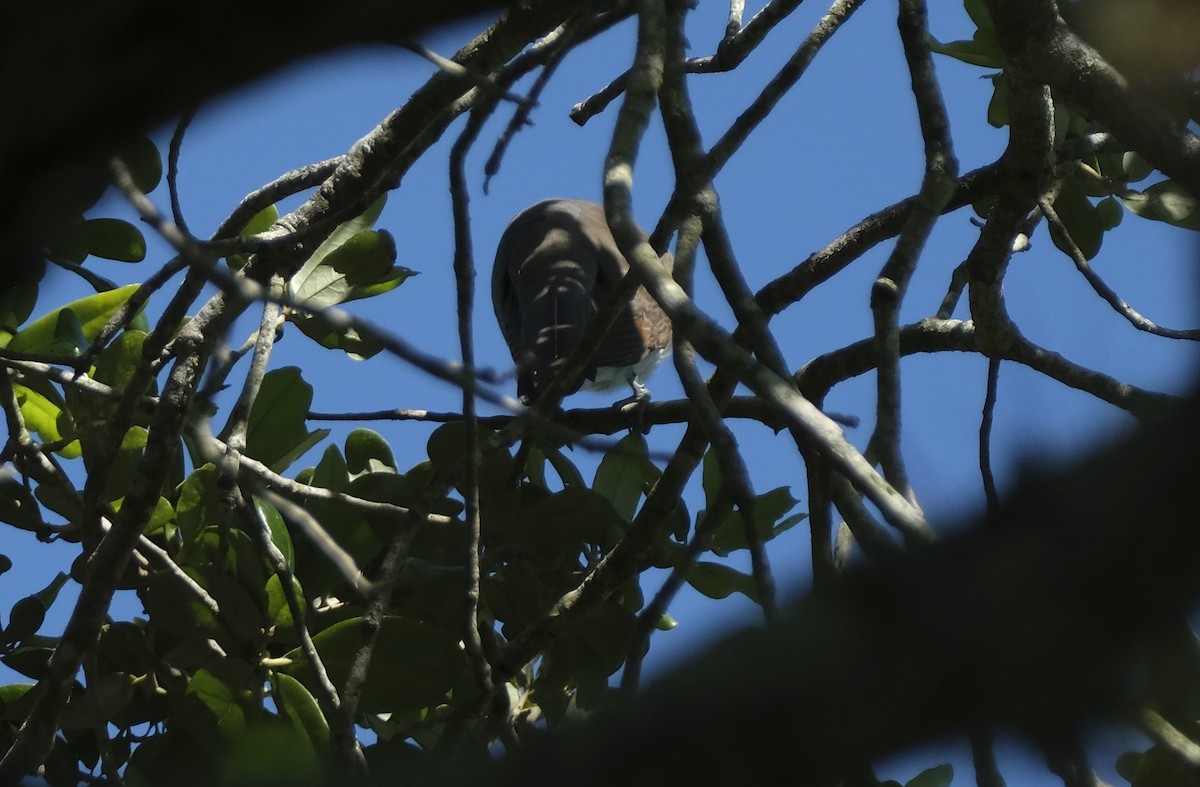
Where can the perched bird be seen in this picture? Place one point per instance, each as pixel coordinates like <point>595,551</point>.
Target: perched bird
<point>556,262</point>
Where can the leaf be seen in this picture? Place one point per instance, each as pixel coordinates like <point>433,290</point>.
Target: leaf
<point>144,162</point>
<point>625,474</point>
<point>259,222</point>
<point>331,472</point>
<point>215,710</point>
<point>339,237</point>
<point>24,619</point>
<point>17,506</point>
<point>557,528</point>
<point>1109,212</point>
<point>983,50</point>
<point>323,332</point>
<point>998,112</point>
<point>111,239</point>
<point>300,708</point>
<point>386,283</point>
<point>1136,168</point>
<point>280,536</point>
<point>90,315</point>
<point>769,510</point>
<point>938,776</point>
<point>279,612</point>
<point>276,433</point>
<point>1167,202</point>
<point>1080,219</point>
<point>17,302</point>
<point>362,260</point>
<point>718,581</point>
<point>198,504</point>
<point>978,12</point>
<point>415,665</point>
<point>368,452</point>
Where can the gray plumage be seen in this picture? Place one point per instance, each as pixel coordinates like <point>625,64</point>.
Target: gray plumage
<point>556,262</point>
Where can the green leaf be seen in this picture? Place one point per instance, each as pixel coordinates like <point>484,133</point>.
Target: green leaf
<point>361,261</point>
<point>279,612</point>
<point>557,527</point>
<point>718,581</point>
<point>978,12</point>
<point>49,594</point>
<point>276,434</point>
<point>1167,202</point>
<point>280,536</point>
<point>1109,212</point>
<point>938,776</point>
<point>106,695</point>
<point>300,708</point>
<point>259,222</point>
<point>999,112</point>
<point>386,283</point>
<point>316,327</point>
<point>90,315</point>
<point>1136,168</point>
<point>17,506</point>
<point>43,414</point>
<point>331,472</point>
<point>368,452</point>
<point>111,239</point>
<point>215,707</point>
<point>24,619</point>
<point>566,470</point>
<point>769,510</point>
<point>16,702</point>
<point>144,162</point>
<point>625,474</point>
<point>16,304</point>
<point>300,283</point>
<point>983,50</point>
<point>415,665</point>
<point>198,504</point>
<point>1080,219</point>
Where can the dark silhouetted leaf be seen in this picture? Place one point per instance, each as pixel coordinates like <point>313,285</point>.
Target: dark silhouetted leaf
<point>414,665</point>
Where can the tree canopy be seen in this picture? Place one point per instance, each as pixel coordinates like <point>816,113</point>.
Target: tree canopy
<point>314,604</point>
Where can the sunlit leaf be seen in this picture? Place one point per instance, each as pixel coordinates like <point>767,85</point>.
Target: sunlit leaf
<point>362,260</point>
<point>90,314</point>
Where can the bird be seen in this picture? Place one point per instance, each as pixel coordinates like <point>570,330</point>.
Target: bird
<point>556,262</point>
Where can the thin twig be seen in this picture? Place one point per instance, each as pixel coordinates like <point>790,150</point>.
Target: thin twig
<point>887,294</point>
<point>173,169</point>
<point>1064,240</point>
<point>985,441</point>
<point>460,71</point>
<point>464,277</point>
<point>653,612</point>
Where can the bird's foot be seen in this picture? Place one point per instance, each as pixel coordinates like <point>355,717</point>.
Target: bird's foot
<point>633,410</point>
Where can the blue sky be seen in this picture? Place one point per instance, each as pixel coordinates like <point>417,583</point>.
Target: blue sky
<point>842,144</point>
